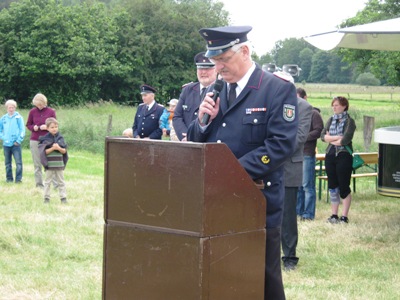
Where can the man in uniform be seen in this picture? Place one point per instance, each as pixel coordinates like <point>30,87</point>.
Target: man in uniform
<point>259,125</point>
<point>147,118</point>
<point>192,94</point>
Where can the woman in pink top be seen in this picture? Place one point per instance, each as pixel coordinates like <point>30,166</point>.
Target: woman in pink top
<point>36,123</point>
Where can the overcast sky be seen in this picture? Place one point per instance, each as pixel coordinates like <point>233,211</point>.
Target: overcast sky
<point>280,19</point>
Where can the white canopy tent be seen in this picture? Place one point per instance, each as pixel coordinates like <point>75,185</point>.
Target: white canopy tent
<point>381,35</point>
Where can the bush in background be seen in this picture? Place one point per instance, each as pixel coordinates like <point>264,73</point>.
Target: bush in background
<point>368,79</point>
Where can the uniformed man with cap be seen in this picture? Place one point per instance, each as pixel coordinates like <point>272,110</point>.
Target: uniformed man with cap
<point>255,115</point>
<point>147,118</point>
<point>191,96</point>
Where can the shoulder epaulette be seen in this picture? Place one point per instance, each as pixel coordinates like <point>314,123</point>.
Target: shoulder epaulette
<point>285,76</point>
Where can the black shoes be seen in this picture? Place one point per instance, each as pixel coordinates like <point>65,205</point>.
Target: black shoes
<point>63,200</point>
<point>334,219</point>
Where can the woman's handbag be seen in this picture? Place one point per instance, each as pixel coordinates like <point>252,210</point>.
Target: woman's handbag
<point>357,159</point>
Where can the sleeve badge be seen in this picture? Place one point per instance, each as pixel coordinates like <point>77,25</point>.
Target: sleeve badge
<point>289,112</point>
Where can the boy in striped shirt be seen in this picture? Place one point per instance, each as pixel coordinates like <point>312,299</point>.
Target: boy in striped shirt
<point>54,157</point>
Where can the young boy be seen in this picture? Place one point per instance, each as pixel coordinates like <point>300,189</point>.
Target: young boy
<point>12,132</point>
<point>54,157</point>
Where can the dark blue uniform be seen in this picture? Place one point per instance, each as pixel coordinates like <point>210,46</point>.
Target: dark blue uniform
<point>187,109</point>
<point>260,129</point>
<point>147,122</point>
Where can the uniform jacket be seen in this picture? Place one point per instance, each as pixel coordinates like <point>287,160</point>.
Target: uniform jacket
<point>12,129</point>
<point>294,165</point>
<point>147,122</point>
<point>260,128</point>
<point>46,142</point>
<point>187,108</point>
<point>38,117</point>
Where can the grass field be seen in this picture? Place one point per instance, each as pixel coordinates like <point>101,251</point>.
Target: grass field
<point>55,251</point>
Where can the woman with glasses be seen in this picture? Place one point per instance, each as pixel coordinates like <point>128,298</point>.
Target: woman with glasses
<point>338,133</point>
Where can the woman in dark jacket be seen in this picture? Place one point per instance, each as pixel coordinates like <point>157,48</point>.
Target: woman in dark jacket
<point>338,132</point>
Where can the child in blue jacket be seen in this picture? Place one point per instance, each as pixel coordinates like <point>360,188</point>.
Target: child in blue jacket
<point>12,133</point>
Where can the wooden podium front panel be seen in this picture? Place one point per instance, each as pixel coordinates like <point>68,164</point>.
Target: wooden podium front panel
<point>153,185</point>
<point>143,264</point>
<point>198,188</point>
<point>237,266</point>
<point>150,265</point>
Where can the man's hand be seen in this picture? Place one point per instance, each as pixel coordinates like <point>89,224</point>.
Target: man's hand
<point>209,106</point>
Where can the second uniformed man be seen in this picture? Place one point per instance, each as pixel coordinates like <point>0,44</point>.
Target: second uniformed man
<point>191,96</point>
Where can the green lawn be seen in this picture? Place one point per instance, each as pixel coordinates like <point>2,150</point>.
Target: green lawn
<point>55,251</point>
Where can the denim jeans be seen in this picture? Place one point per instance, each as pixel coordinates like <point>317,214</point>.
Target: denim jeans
<point>307,196</point>
<point>9,152</point>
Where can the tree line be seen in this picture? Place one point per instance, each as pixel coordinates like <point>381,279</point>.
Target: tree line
<point>79,51</point>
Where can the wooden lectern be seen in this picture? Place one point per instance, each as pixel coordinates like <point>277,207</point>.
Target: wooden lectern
<point>182,221</point>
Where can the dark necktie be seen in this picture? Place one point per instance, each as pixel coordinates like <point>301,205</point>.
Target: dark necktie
<point>203,93</point>
<point>232,93</point>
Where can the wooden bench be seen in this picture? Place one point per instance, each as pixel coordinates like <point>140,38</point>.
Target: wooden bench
<point>370,160</point>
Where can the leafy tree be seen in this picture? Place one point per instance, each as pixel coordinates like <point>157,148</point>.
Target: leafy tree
<point>265,59</point>
<point>338,70</point>
<point>64,52</point>
<point>77,51</point>
<point>163,36</point>
<point>305,61</point>
<point>319,70</point>
<point>5,3</point>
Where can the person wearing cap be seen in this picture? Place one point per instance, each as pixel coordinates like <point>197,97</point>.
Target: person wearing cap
<point>192,94</point>
<point>147,118</point>
<point>256,116</point>
<point>166,118</point>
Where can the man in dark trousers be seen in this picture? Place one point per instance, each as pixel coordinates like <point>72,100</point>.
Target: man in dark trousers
<point>147,118</point>
<point>259,125</point>
<point>293,180</point>
<point>192,94</point>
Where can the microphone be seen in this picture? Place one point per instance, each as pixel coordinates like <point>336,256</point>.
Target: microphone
<point>218,85</point>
